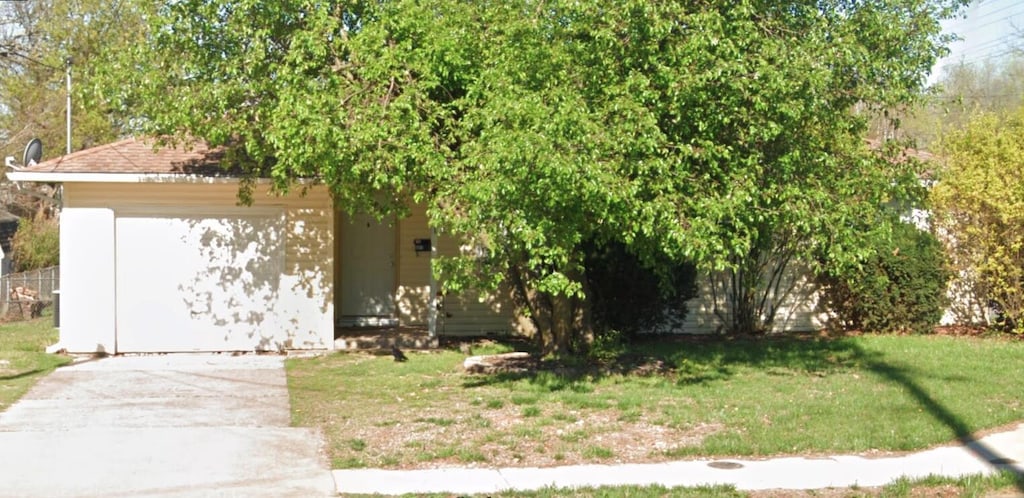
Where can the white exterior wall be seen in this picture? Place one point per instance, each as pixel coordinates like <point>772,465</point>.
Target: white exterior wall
<point>471,313</point>
<point>305,303</point>
<point>412,297</point>
<point>87,278</point>
<point>291,286</point>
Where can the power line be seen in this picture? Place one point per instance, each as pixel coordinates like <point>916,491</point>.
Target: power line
<point>991,12</point>
<point>9,53</point>
<point>989,45</point>
<point>973,26</point>
<point>988,17</point>
<point>1006,38</point>
<point>989,57</point>
<point>977,97</point>
<point>991,50</point>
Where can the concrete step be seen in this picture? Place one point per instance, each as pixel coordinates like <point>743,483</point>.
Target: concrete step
<point>384,339</point>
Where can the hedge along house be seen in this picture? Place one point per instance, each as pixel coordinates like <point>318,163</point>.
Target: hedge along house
<point>157,256</point>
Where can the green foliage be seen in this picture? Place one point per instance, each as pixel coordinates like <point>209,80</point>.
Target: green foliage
<point>628,297</point>
<point>41,36</point>
<point>36,244</point>
<point>709,132</point>
<point>902,288</point>
<point>979,208</point>
<point>608,345</point>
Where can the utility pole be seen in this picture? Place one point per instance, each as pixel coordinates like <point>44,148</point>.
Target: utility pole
<point>67,64</point>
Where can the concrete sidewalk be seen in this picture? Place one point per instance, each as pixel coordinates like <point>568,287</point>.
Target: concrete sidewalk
<point>167,425</point>
<point>997,451</point>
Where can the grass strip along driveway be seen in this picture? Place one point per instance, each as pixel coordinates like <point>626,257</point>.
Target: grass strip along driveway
<point>23,358</point>
<point>662,400</point>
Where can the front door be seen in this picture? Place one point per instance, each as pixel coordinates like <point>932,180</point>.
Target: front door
<point>367,271</point>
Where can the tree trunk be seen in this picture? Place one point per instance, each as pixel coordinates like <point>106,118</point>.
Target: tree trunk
<point>534,304</point>
<point>746,279</point>
<point>562,321</point>
<point>584,317</point>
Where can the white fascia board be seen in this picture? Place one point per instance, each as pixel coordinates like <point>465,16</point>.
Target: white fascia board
<point>45,177</point>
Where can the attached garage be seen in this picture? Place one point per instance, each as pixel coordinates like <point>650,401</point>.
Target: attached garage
<point>157,256</point>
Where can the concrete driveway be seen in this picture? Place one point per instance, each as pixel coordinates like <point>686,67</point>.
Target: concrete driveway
<point>167,425</point>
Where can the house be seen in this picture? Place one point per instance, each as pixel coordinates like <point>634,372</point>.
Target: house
<point>157,256</point>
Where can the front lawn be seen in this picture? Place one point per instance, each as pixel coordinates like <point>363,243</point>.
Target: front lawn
<point>23,358</point>
<point>679,399</point>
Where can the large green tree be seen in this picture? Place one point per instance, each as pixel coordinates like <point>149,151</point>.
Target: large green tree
<point>37,40</point>
<point>721,132</point>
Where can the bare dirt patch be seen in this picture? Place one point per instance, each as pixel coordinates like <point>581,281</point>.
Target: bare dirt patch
<point>510,436</point>
<point>816,493</point>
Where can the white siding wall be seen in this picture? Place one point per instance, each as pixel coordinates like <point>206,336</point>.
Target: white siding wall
<point>471,313</point>
<point>797,313</point>
<point>413,293</point>
<point>306,297</point>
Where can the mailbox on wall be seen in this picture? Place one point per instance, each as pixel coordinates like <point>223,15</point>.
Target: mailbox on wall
<point>421,245</point>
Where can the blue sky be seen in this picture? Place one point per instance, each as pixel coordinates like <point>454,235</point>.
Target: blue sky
<point>989,30</point>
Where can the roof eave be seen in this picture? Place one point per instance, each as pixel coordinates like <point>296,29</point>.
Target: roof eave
<point>68,177</point>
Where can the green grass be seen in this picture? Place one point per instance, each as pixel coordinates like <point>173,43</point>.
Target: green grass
<point>972,486</point>
<point>23,358</point>
<point>1005,483</point>
<point>722,398</point>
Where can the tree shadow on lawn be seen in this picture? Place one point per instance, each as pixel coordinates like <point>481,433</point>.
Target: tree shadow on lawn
<point>903,377</point>
<point>28,373</point>
<point>703,360</point>
<point>695,360</point>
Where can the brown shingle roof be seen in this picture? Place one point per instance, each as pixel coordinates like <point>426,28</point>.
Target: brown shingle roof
<point>920,155</point>
<point>138,156</point>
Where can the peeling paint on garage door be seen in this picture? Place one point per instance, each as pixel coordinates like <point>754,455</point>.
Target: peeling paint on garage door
<point>198,281</point>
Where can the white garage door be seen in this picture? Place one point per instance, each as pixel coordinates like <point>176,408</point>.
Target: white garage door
<point>198,282</point>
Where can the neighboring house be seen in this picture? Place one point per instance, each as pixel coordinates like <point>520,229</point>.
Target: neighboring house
<point>8,227</point>
<point>157,256</point>
<point>799,309</point>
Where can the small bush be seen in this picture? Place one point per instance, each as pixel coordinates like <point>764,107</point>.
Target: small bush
<point>903,288</point>
<point>36,244</point>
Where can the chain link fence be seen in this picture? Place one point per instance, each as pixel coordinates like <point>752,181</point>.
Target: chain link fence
<point>40,283</point>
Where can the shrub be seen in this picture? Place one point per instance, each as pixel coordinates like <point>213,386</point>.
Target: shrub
<point>902,288</point>
<point>627,297</point>
<point>978,203</point>
<point>36,244</point>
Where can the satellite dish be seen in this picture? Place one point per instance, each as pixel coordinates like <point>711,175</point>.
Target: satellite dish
<point>33,152</point>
